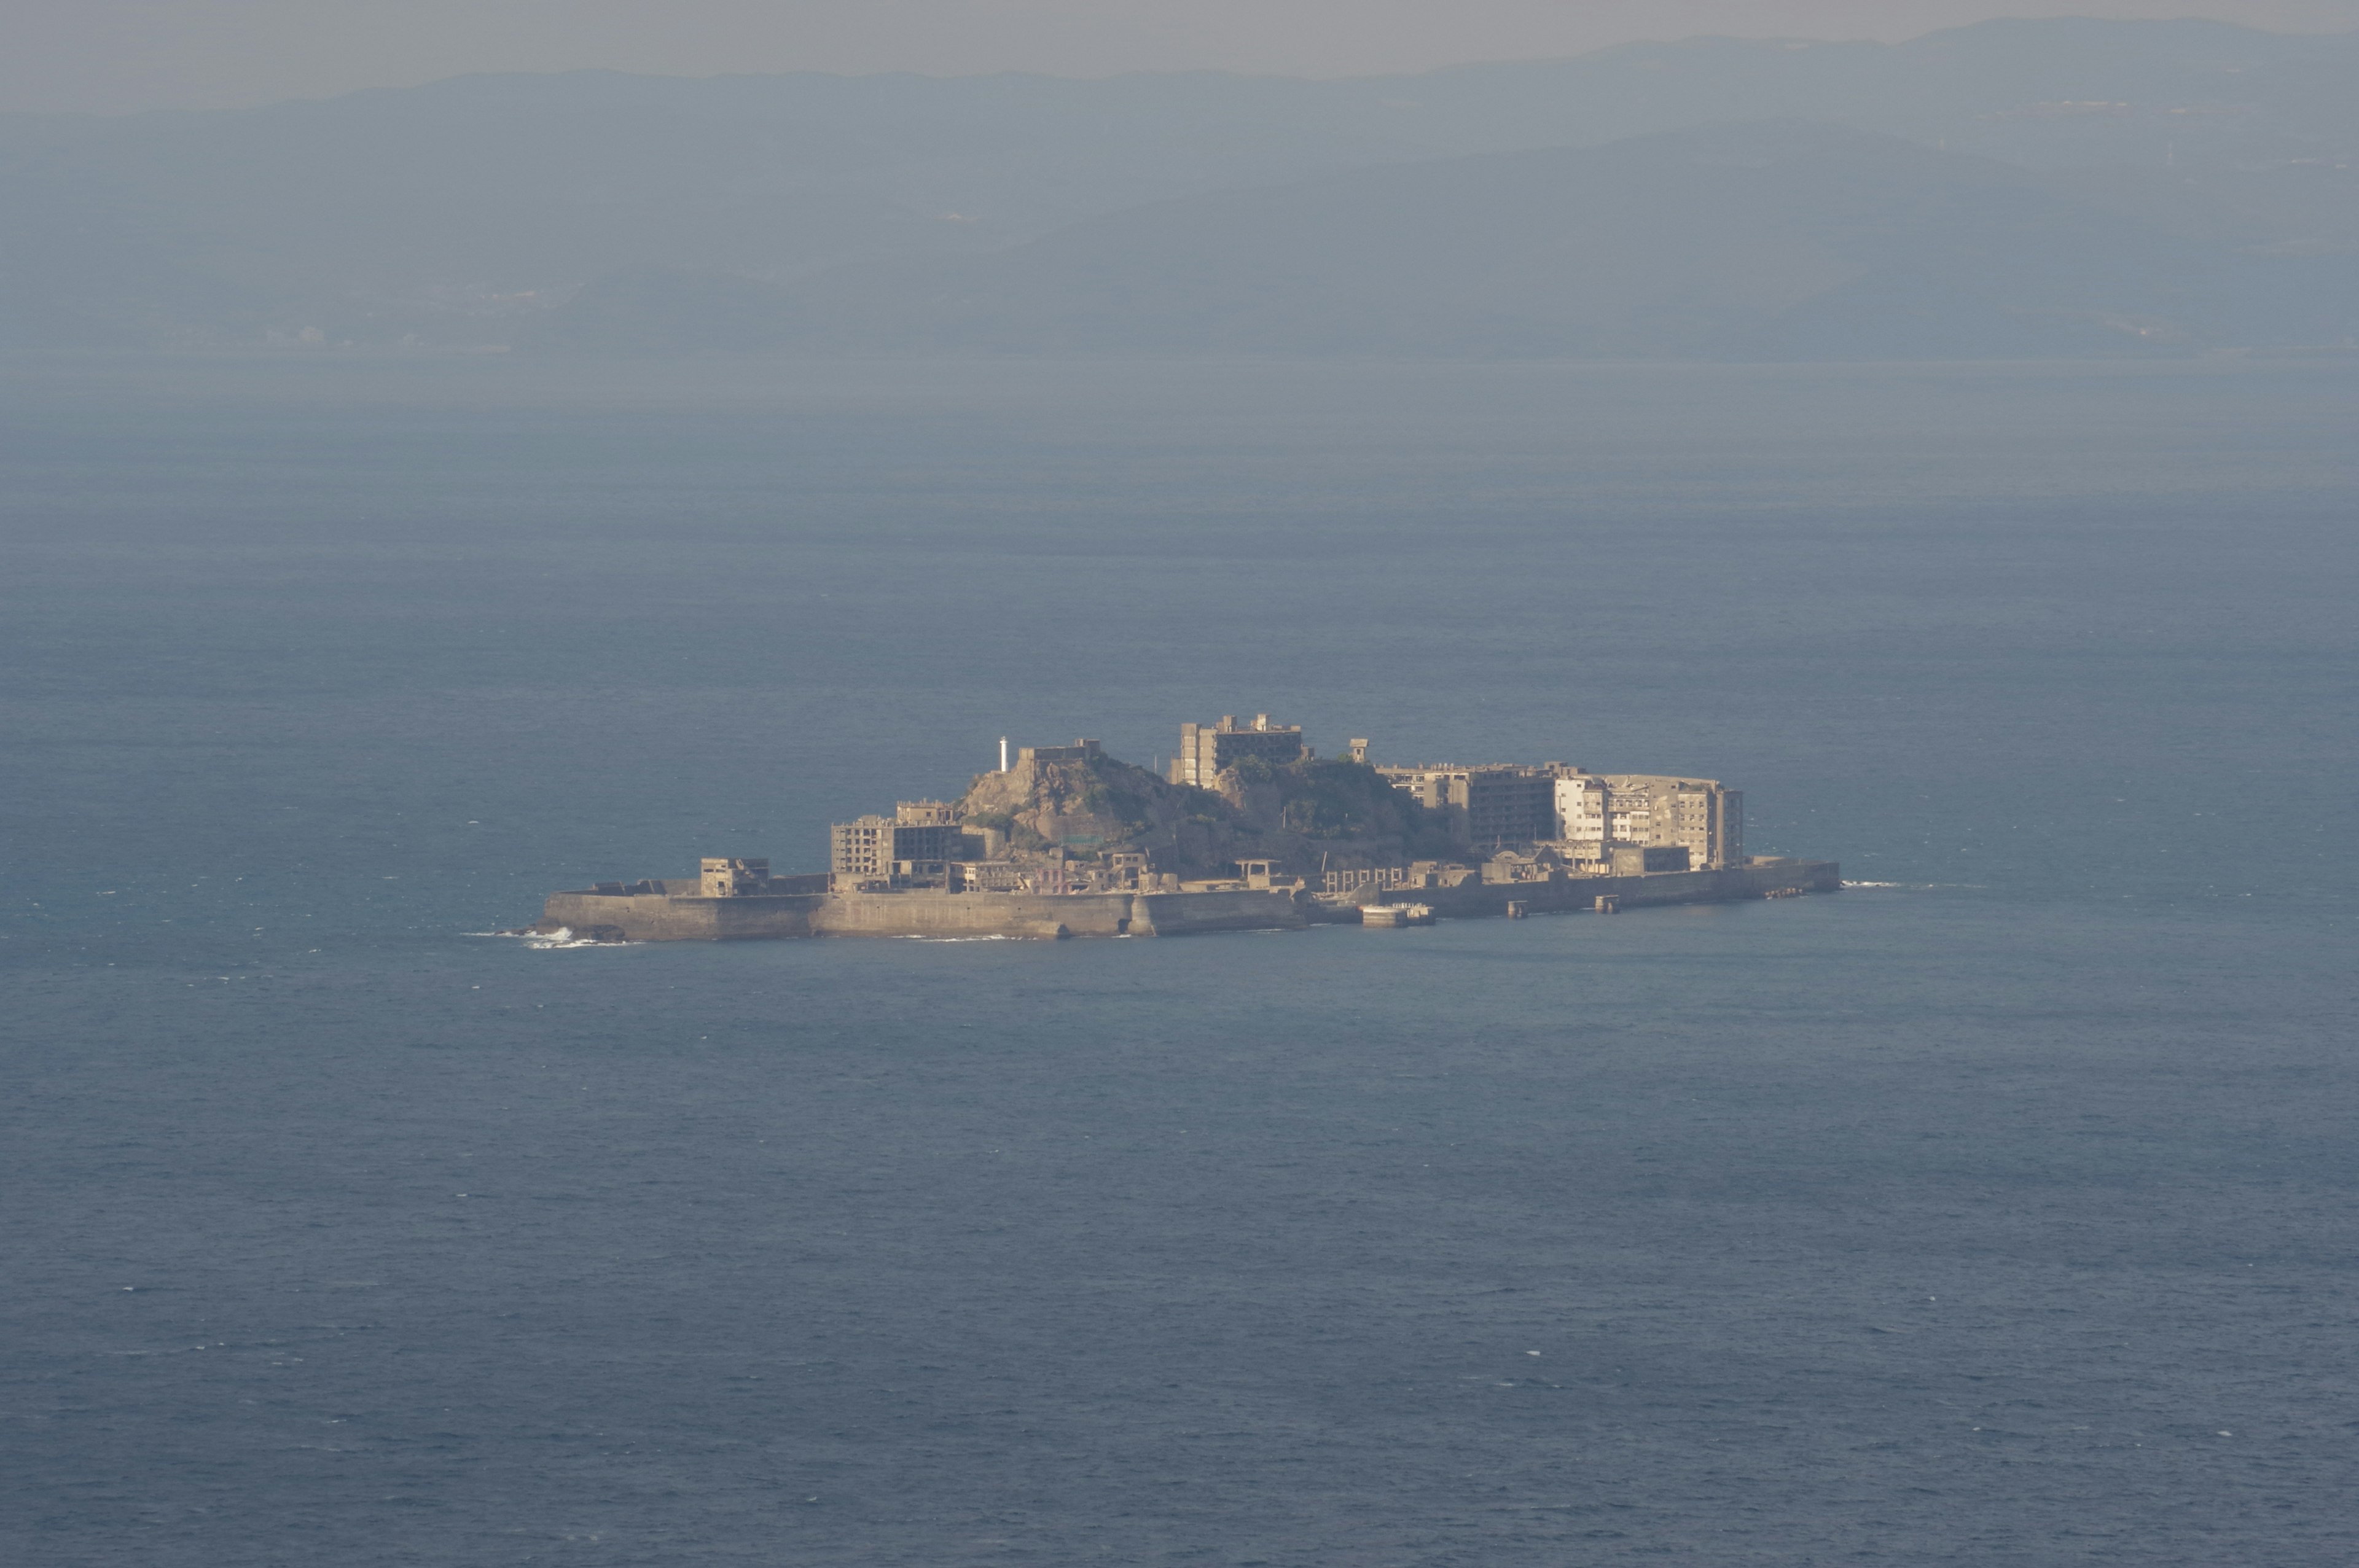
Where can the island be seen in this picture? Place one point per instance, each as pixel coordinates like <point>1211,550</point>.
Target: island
<point>1247,829</point>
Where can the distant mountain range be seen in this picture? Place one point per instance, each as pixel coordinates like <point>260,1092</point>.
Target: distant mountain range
<point>2020,188</point>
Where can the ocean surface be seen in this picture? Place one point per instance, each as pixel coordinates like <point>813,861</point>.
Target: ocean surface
<point>2001,1210</point>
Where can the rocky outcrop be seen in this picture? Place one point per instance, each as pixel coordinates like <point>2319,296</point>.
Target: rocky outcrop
<point>1303,815</point>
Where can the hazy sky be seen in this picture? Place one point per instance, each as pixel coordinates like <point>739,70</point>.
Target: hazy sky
<point>114,55</point>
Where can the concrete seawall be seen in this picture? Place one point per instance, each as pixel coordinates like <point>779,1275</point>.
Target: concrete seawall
<point>670,917</point>
<point>686,916</point>
<point>1193,914</point>
<point>1568,895</point>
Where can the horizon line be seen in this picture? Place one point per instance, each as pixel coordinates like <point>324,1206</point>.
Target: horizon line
<point>1781,40</point>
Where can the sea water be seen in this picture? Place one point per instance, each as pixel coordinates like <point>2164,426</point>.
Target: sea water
<point>1999,1209</point>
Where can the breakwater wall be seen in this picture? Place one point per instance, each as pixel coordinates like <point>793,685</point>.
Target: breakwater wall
<point>687,917</point>
<point>1566,895</point>
<point>680,917</point>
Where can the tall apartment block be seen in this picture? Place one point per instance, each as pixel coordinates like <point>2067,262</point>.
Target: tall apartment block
<point>1492,805</point>
<point>1500,804</point>
<point>1206,749</point>
<point>1652,811</point>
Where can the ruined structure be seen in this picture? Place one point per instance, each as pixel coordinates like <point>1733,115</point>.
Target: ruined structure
<point>1207,751</point>
<point>912,847</point>
<point>1492,805</point>
<point>724,877</point>
<point>1701,815</point>
<point>1247,829</point>
<point>1502,805</point>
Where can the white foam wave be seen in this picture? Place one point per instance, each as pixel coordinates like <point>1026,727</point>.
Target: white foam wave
<point>550,941</point>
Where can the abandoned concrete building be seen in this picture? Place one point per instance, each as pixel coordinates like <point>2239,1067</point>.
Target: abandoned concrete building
<point>1079,751</point>
<point>1490,806</point>
<point>727,876</point>
<point>1702,816</point>
<point>1499,805</point>
<point>1206,749</point>
<point>1518,823</point>
<point>917,842</point>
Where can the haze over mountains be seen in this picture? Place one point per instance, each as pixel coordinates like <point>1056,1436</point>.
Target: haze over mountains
<point>2012,190</point>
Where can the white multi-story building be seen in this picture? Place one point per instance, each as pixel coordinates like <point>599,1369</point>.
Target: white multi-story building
<point>1580,813</point>
<point>1594,812</point>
